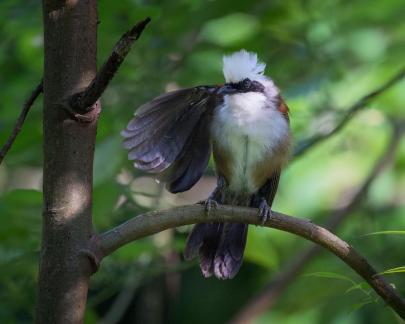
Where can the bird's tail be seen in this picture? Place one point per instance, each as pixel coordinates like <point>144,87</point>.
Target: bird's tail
<point>220,247</point>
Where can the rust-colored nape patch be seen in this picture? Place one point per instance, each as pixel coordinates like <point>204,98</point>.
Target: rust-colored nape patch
<point>283,108</point>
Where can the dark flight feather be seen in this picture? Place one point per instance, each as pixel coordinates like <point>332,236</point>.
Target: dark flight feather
<point>269,189</point>
<point>167,139</point>
<point>194,158</point>
<point>171,133</point>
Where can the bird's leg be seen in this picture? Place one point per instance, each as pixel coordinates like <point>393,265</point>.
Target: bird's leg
<point>263,199</point>
<point>265,212</point>
<point>216,197</point>
<point>210,202</point>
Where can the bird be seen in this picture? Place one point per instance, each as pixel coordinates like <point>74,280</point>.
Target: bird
<point>244,123</point>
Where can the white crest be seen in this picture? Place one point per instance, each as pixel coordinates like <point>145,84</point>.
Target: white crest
<point>241,65</point>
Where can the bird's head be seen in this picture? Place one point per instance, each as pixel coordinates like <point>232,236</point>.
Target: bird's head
<point>245,73</point>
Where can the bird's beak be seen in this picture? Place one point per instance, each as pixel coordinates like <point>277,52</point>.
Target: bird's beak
<point>226,89</point>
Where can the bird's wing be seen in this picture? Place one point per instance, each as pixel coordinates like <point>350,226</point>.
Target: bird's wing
<point>170,135</point>
<point>269,189</point>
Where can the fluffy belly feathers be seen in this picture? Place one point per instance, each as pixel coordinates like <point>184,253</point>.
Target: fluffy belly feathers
<point>250,140</point>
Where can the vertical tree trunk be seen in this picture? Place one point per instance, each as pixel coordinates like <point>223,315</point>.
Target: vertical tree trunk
<point>70,31</point>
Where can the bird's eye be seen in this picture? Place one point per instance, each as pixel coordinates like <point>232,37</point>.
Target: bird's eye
<point>246,83</point>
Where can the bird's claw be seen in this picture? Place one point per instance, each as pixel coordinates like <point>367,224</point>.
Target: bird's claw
<point>265,212</point>
<point>209,204</point>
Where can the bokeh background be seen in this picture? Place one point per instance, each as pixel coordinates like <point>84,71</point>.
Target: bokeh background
<point>324,55</point>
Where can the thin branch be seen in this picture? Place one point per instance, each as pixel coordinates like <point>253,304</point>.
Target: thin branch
<point>156,221</point>
<point>20,121</point>
<point>308,143</point>
<point>84,101</point>
<point>267,297</point>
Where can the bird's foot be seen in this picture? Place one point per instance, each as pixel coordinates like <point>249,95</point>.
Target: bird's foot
<point>265,212</point>
<point>209,204</point>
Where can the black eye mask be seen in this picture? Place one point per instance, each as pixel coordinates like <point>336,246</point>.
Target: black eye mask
<point>247,85</point>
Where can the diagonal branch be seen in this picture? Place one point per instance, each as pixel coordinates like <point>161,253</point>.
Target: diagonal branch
<point>20,121</point>
<point>83,102</point>
<point>156,221</point>
<point>308,143</point>
<point>267,297</point>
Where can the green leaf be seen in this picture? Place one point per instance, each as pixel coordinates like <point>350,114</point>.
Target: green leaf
<point>330,275</point>
<point>386,233</point>
<point>359,305</point>
<point>362,286</point>
<point>393,270</point>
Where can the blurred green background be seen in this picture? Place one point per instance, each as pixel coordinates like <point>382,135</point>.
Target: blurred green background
<point>324,55</point>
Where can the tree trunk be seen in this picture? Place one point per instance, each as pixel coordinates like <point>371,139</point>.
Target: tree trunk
<point>70,32</point>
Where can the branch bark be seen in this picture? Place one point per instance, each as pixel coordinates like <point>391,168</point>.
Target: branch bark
<point>67,261</point>
<point>20,121</point>
<point>83,102</point>
<point>153,222</point>
<point>268,296</point>
<point>70,29</point>
<point>308,143</point>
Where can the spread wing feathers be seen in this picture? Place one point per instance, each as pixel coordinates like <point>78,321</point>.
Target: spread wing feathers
<point>172,131</point>
<point>192,161</point>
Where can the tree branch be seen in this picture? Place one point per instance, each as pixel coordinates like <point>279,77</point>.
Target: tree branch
<point>156,221</point>
<point>20,121</point>
<point>70,48</point>
<point>308,143</point>
<point>267,297</point>
<point>83,102</point>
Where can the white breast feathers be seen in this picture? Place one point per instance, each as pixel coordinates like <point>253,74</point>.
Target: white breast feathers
<point>250,128</point>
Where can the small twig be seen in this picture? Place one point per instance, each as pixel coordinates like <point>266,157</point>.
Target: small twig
<point>20,121</point>
<point>308,143</point>
<point>267,297</point>
<point>84,101</point>
<point>157,221</point>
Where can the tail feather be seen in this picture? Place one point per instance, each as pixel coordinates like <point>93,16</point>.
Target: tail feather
<point>229,255</point>
<point>220,248</point>
<point>203,241</point>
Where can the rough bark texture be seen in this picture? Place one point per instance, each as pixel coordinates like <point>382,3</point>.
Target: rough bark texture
<point>82,102</point>
<point>70,29</point>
